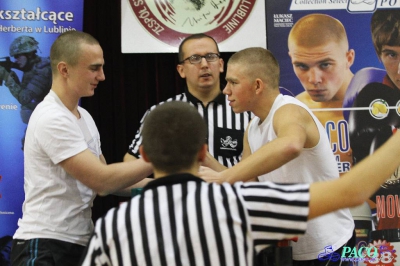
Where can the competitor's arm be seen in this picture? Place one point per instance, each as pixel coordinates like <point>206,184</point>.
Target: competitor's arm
<point>129,157</point>
<point>103,178</point>
<point>360,182</point>
<point>247,151</point>
<point>246,146</point>
<point>212,163</point>
<point>126,192</point>
<point>292,125</point>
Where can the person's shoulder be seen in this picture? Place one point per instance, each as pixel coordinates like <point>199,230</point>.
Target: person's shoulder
<point>291,105</point>
<point>48,113</point>
<point>303,97</point>
<point>179,97</point>
<point>83,111</point>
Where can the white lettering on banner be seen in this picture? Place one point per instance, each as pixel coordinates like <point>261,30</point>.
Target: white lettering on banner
<point>310,2</point>
<point>137,2</point>
<point>283,20</point>
<point>36,15</point>
<point>15,29</point>
<point>318,4</point>
<point>365,5</point>
<point>6,213</point>
<point>8,107</point>
<point>55,29</point>
<point>145,15</point>
<point>240,13</point>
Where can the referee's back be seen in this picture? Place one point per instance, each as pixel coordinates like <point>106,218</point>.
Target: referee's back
<point>179,219</point>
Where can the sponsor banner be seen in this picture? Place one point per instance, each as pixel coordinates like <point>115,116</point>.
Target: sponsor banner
<point>382,253</point>
<point>25,27</point>
<point>367,112</point>
<point>158,26</point>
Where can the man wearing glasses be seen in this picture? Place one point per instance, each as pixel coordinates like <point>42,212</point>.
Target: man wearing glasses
<point>200,64</point>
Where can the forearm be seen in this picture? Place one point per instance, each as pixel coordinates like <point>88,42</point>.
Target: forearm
<point>102,178</point>
<point>367,176</point>
<point>126,192</point>
<point>129,157</point>
<point>124,176</point>
<point>212,163</point>
<point>268,158</point>
<point>360,182</point>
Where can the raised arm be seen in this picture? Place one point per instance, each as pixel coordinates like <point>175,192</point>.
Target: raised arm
<point>295,129</point>
<point>357,185</point>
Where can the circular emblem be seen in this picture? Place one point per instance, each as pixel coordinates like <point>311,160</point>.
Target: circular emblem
<point>398,108</point>
<point>386,254</point>
<point>379,109</point>
<point>170,21</point>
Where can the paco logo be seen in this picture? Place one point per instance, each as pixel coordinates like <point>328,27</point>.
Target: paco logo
<point>349,254</point>
<point>170,21</point>
<point>370,255</point>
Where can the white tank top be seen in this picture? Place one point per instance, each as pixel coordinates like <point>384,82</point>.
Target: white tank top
<point>313,164</point>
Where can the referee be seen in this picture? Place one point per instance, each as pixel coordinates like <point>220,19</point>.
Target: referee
<point>200,65</point>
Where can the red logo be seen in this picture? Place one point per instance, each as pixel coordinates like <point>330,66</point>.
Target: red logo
<point>170,21</point>
<point>386,254</point>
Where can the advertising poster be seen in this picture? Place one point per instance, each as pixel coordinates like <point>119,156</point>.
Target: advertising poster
<point>27,30</point>
<point>352,91</point>
<point>158,26</point>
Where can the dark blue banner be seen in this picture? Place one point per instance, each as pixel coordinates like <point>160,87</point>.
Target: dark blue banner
<point>27,31</point>
<point>354,91</point>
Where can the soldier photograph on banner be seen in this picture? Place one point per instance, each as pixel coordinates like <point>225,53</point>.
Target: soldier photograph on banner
<point>342,60</point>
<point>36,75</point>
<point>27,30</point>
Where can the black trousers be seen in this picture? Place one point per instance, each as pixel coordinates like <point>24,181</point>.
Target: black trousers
<point>46,252</point>
<point>351,243</point>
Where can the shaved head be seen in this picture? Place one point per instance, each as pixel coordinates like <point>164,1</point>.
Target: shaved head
<point>317,29</point>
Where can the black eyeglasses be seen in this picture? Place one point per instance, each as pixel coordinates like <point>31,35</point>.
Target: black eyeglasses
<point>196,59</point>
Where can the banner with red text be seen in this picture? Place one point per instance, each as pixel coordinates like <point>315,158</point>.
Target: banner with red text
<point>158,26</point>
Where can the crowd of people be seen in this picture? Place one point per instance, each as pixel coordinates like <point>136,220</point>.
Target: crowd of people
<point>215,191</point>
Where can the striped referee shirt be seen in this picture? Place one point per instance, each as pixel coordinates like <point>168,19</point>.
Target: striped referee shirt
<point>182,220</point>
<point>225,128</point>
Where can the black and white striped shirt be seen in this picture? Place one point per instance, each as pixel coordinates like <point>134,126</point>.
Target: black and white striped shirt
<point>182,220</point>
<point>225,128</point>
